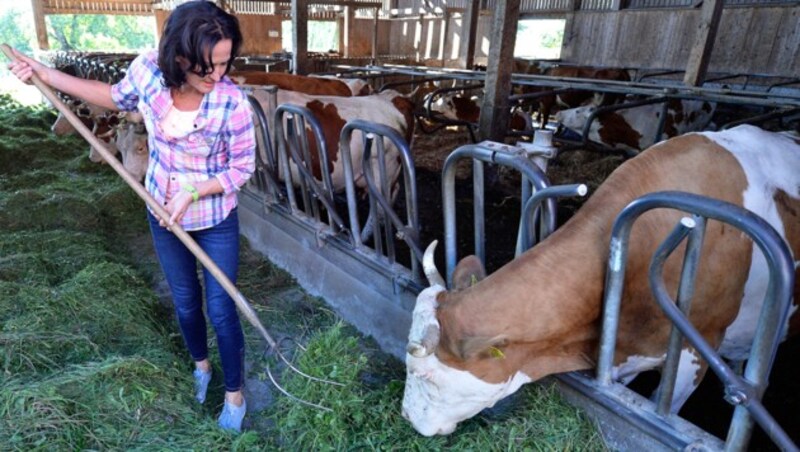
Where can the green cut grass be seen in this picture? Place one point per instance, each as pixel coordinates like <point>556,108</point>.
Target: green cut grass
<point>366,410</point>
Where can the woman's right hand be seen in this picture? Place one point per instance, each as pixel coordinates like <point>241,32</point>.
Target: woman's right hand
<point>24,67</point>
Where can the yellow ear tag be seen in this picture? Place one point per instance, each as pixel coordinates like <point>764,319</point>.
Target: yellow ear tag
<point>496,353</point>
<point>473,280</point>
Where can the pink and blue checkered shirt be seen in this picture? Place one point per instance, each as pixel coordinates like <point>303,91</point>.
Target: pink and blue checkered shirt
<point>222,144</point>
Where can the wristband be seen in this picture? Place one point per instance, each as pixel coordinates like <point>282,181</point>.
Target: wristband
<point>192,191</point>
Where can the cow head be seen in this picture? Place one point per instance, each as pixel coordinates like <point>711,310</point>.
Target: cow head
<point>438,396</point>
<point>458,108</point>
<point>131,140</point>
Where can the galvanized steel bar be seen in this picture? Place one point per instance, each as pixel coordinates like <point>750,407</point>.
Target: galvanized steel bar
<point>266,174</point>
<point>307,181</point>
<point>669,371</point>
<point>408,231</point>
<point>488,152</point>
<point>773,314</point>
<point>524,239</point>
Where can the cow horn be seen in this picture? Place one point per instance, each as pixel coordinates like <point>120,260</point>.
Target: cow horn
<point>429,267</point>
<point>427,345</point>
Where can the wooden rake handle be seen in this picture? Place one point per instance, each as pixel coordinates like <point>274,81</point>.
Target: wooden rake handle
<point>185,238</point>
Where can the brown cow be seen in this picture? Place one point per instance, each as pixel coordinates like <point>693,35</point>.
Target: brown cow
<point>576,98</point>
<point>318,86</point>
<point>540,314</point>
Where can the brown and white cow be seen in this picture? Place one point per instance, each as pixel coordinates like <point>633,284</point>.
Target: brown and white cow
<point>131,142</point>
<point>467,109</point>
<point>387,107</point>
<point>540,314</point>
<point>634,129</point>
<point>319,86</point>
<point>576,98</point>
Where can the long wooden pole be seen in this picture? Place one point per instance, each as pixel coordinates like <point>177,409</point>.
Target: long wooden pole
<point>238,298</point>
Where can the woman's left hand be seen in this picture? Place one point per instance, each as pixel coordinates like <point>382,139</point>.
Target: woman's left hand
<point>177,208</point>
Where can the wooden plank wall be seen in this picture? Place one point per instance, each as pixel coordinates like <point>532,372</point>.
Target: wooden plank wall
<point>422,38</point>
<point>763,40</point>
<point>262,34</point>
<point>255,32</point>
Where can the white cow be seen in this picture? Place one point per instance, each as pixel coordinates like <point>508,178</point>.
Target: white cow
<point>634,129</point>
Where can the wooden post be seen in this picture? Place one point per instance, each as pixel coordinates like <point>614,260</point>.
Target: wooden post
<point>375,38</point>
<point>495,109</point>
<point>300,37</point>
<point>349,30</point>
<point>469,28</point>
<point>443,37</point>
<point>567,45</point>
<point>419,34</point>
<point>40,25</point>
<point>700,55</point>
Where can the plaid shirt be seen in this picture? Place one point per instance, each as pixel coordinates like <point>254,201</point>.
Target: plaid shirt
<point>222,144</point>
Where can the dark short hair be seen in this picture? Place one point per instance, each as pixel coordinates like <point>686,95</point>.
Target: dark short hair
<point>191,32</point>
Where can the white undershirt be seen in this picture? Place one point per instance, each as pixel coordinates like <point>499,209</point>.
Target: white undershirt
<point>177,123</point>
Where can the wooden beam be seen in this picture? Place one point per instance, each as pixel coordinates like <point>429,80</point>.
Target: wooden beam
<point>495,109</point>
<point>469,30</point>
<point>40,25</point>
<point>348,31</point>
<point>375,37</point>
<point>443,37</point>
<point>127,7</point>
<point>300,37</point>
<point>700,56</point>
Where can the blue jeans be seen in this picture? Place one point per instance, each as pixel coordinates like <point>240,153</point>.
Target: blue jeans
<point>221,243</point>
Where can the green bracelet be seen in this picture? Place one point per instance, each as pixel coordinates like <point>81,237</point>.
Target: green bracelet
<point>192,191</point>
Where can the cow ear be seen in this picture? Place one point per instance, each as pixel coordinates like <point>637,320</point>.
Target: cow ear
<point>468,272</point>
<point>483,347</point>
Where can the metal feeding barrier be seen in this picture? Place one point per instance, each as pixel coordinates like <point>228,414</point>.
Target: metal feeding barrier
<point>743,392</point>
<point>535,189</point>
<point>286,170</point>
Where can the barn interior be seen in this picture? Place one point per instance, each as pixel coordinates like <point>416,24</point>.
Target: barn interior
<point>739,55</point>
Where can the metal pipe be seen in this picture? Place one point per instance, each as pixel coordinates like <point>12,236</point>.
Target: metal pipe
<point>691,260</point>
<point>524,241</point>
<point>489,152</point>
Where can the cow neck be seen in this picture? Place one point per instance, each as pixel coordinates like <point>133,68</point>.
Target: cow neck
<point>545,304</point>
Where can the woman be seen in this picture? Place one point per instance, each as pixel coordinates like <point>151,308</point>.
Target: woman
<point>202,148</point>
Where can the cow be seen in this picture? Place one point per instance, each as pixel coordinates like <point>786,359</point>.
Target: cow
<point>319,86</point>
<point>467,109</point>
<point>540,314</point>
<point>634,129</point>
<point>387,107</point>
<point>131,142</point>
<point>357,86</point>
<point>576,98</point>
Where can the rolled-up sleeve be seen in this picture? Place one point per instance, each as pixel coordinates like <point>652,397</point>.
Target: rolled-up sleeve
<point>125,93</point>
<point>239,133</point>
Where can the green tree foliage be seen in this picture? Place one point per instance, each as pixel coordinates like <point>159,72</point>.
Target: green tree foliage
<point>16,30</point>
<point>100,32</point>
<point>323,35</point>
